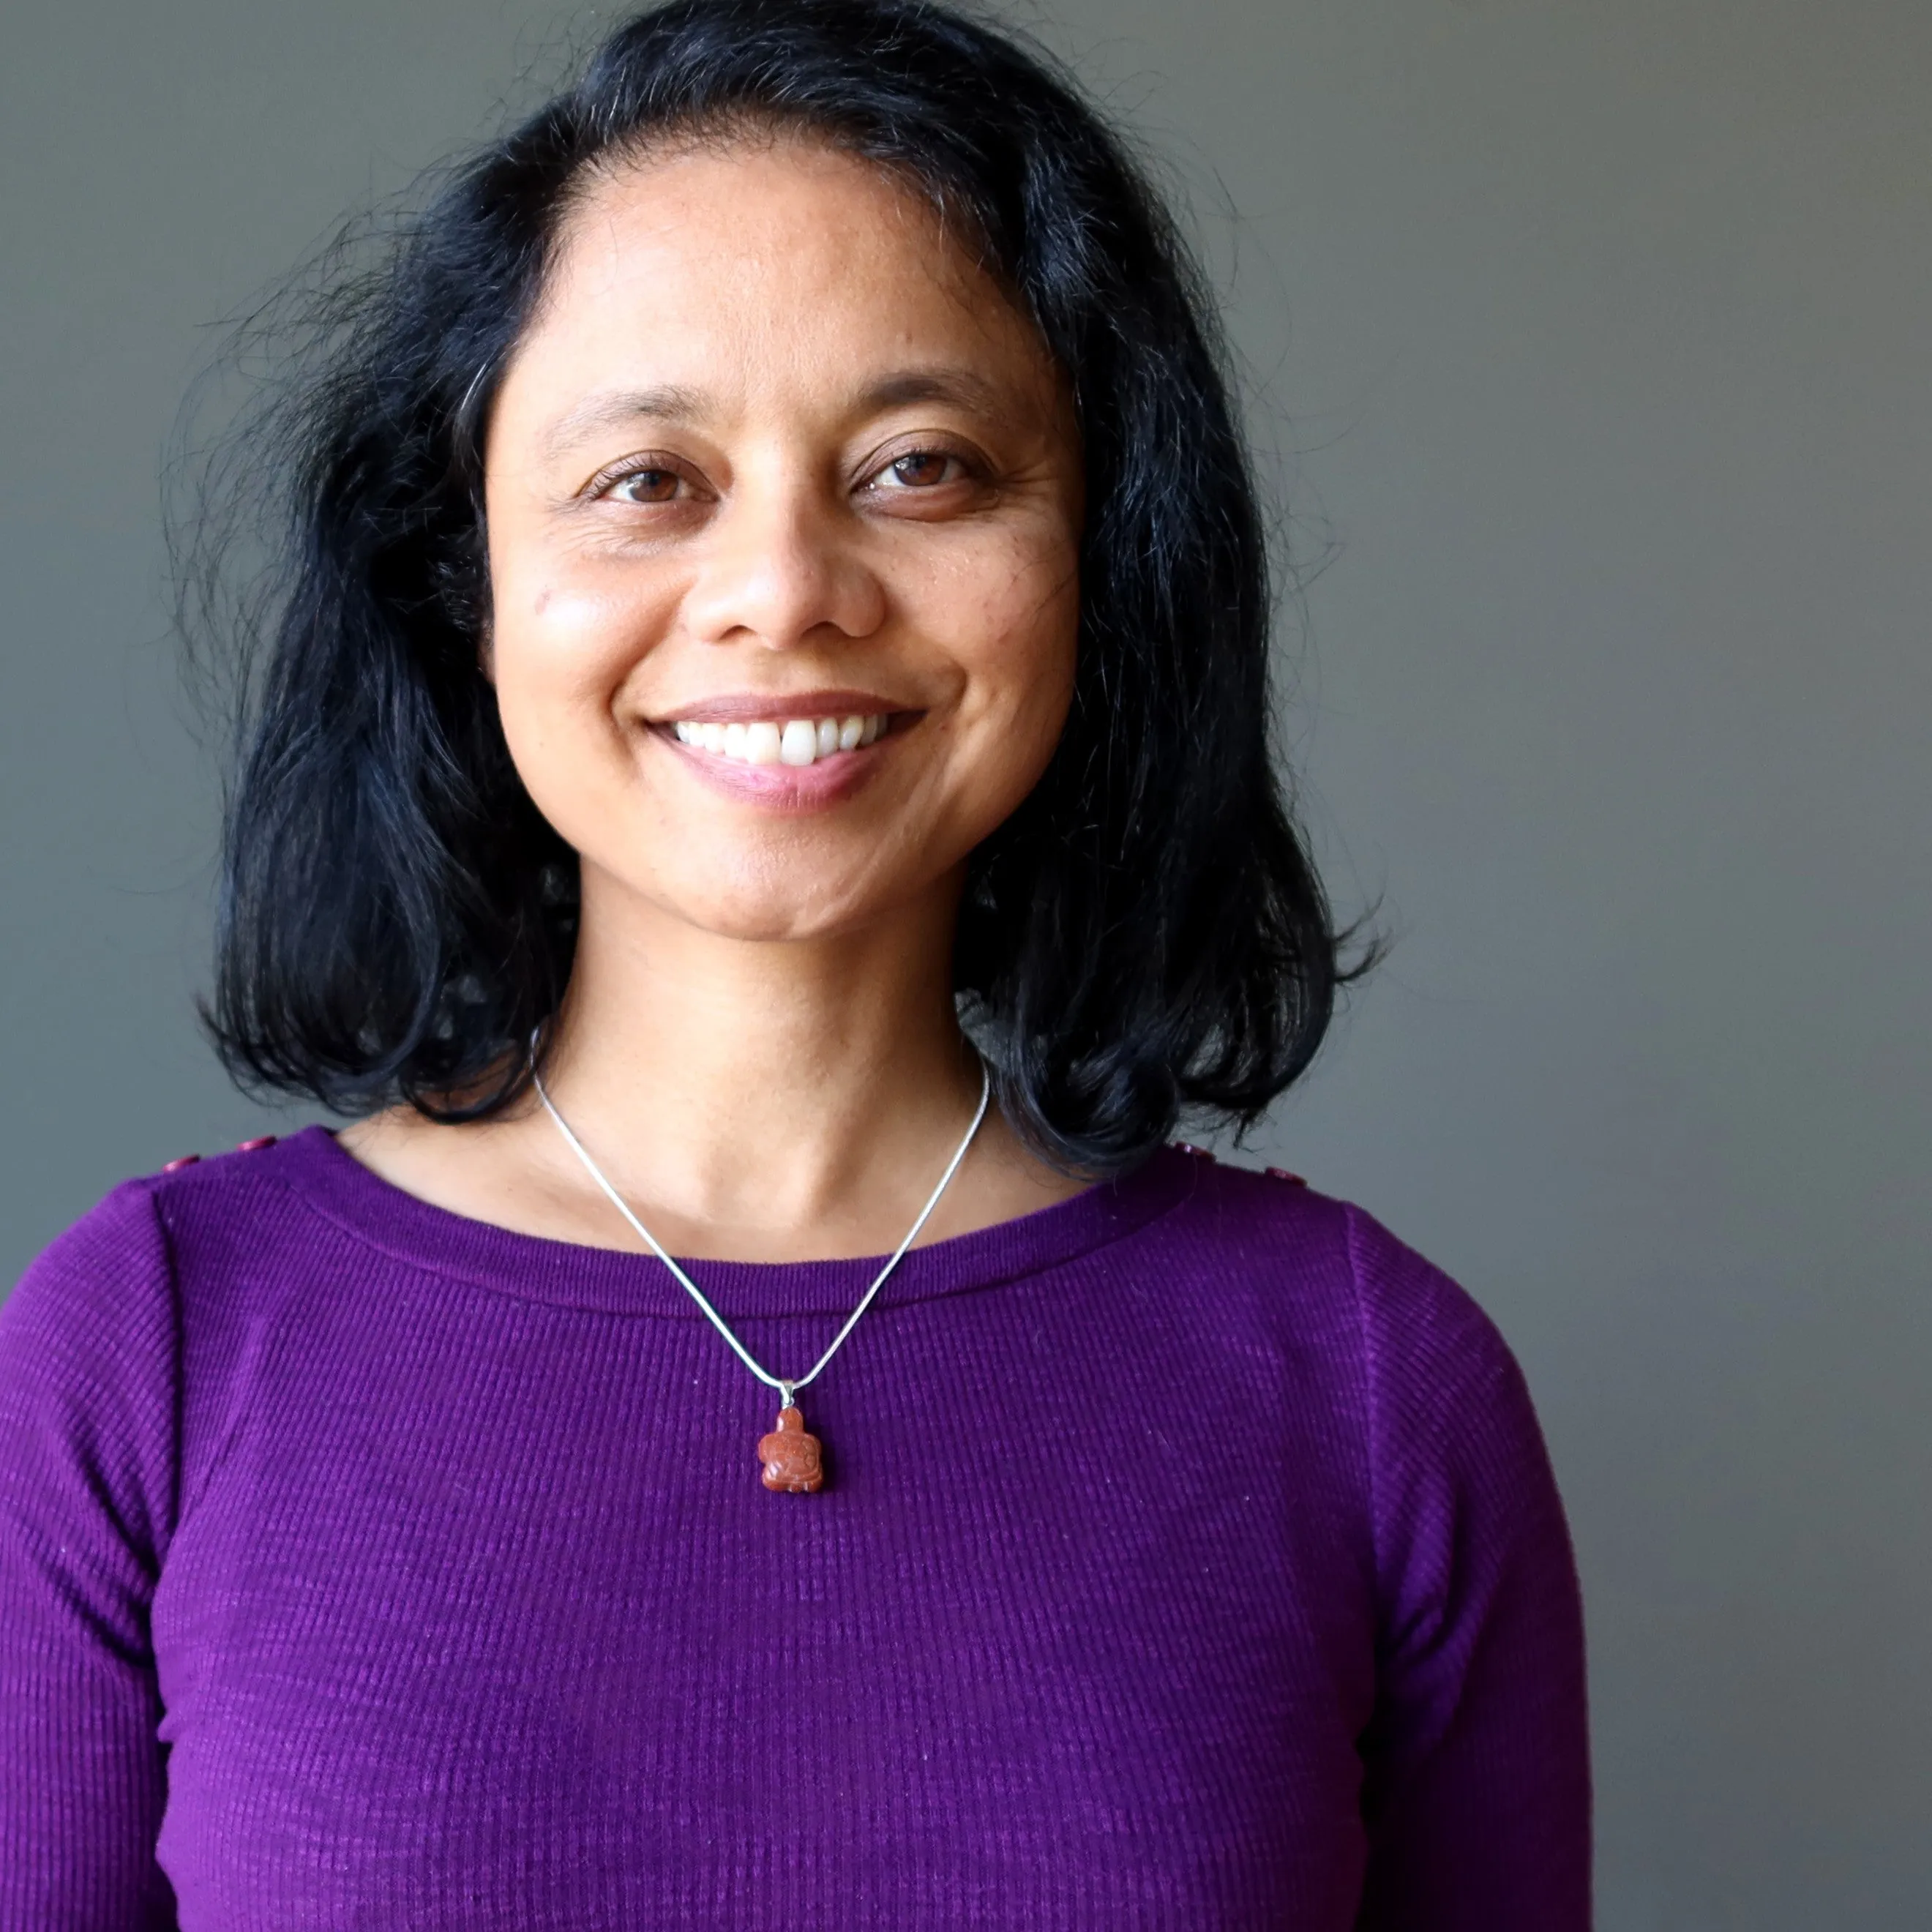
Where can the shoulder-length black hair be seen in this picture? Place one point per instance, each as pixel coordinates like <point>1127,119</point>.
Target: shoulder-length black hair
<point>1146,937</point>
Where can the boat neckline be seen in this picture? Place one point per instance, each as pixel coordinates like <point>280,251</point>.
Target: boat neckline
<point>407,1228</point>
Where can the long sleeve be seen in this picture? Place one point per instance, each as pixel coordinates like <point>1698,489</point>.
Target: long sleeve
<point>1477,1795</point>
<point>87,1428</point>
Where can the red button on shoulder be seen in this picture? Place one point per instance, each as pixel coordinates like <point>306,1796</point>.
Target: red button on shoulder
<point>1282,1174</point>
<point>255,1146</point>
<point>175,1166</point>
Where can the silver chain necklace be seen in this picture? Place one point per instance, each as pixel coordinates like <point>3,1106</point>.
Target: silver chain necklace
<point>793,1459</point>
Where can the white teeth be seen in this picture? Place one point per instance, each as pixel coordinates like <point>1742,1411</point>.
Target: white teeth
<point>792,741</point>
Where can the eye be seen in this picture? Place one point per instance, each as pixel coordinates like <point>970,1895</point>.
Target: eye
<point>647,485</point>
<point>645,478</point>
<point>919,469</point>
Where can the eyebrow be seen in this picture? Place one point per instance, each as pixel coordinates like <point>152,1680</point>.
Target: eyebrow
<point>671,403</point>
<point>616,407</point>
<point>942,383</point>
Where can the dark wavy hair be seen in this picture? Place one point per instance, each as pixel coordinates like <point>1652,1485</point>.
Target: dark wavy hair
<point>1145,937</point>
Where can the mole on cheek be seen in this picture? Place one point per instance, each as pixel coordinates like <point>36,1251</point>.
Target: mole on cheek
<point>543,601</point>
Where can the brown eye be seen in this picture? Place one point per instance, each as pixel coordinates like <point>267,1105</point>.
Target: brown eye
<point>647,486</point>
<point>924,467</point>
<point>920,469</point>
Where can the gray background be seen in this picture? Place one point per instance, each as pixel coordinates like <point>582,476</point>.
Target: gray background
<point>1593,338</point>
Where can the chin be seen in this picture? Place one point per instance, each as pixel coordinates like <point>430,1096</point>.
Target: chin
<point>753,910</point>
<point>758,923</point>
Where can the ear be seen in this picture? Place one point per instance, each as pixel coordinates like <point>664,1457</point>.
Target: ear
<point>486,650</point>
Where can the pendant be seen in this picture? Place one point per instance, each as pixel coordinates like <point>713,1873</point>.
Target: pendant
<point>793,1459</point>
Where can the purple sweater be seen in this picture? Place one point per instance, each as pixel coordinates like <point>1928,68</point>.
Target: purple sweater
<point>1189,1557</point>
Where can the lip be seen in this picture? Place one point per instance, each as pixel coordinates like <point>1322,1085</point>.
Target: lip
<point>749,707</point>
<point>790,790</point>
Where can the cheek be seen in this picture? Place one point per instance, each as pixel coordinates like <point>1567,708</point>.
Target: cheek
<point>562,650</point>
<point>1019,640</point>
<point>1010,624</point>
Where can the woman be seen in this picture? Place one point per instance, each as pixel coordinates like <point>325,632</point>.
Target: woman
<point>763,758</point>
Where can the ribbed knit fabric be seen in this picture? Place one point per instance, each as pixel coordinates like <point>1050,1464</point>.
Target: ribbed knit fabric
<point>1189,1558</point>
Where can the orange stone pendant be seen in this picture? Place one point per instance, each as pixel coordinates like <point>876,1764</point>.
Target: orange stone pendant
<point>793,1459</point>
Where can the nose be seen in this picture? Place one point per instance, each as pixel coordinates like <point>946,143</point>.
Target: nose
<point>780,567</point>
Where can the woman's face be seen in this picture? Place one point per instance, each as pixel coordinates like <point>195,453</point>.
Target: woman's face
<point>784,499</point>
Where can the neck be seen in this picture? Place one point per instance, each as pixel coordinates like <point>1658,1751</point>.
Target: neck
<point>765,1085</point>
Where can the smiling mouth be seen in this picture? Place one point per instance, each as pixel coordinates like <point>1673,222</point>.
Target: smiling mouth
<point>782,741</point>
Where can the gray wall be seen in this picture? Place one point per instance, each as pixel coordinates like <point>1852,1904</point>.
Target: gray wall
<point>1595,337</point>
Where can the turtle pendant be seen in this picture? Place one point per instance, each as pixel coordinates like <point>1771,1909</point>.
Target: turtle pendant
<point>793,1459</point>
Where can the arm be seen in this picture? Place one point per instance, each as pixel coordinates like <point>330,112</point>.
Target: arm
<point>1477,1790</point>
<point>87,1431</point>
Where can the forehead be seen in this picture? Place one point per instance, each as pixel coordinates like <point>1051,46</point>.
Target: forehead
<point>735,262</point>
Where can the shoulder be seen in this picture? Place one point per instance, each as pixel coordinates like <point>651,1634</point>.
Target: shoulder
<point>236,1219</point>
<point>1415,1321</point>
<point>99,1294</point>
<point>1271,1232</point>
<point>111,1280</point>
<point>1458,1487</point>
<point>1430,1346</point>
<point>1438,1395</point>
<point>227,1231</point>
<point>111,1341</point>
<point>88,1354</point>
<point>1258,1223</point>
